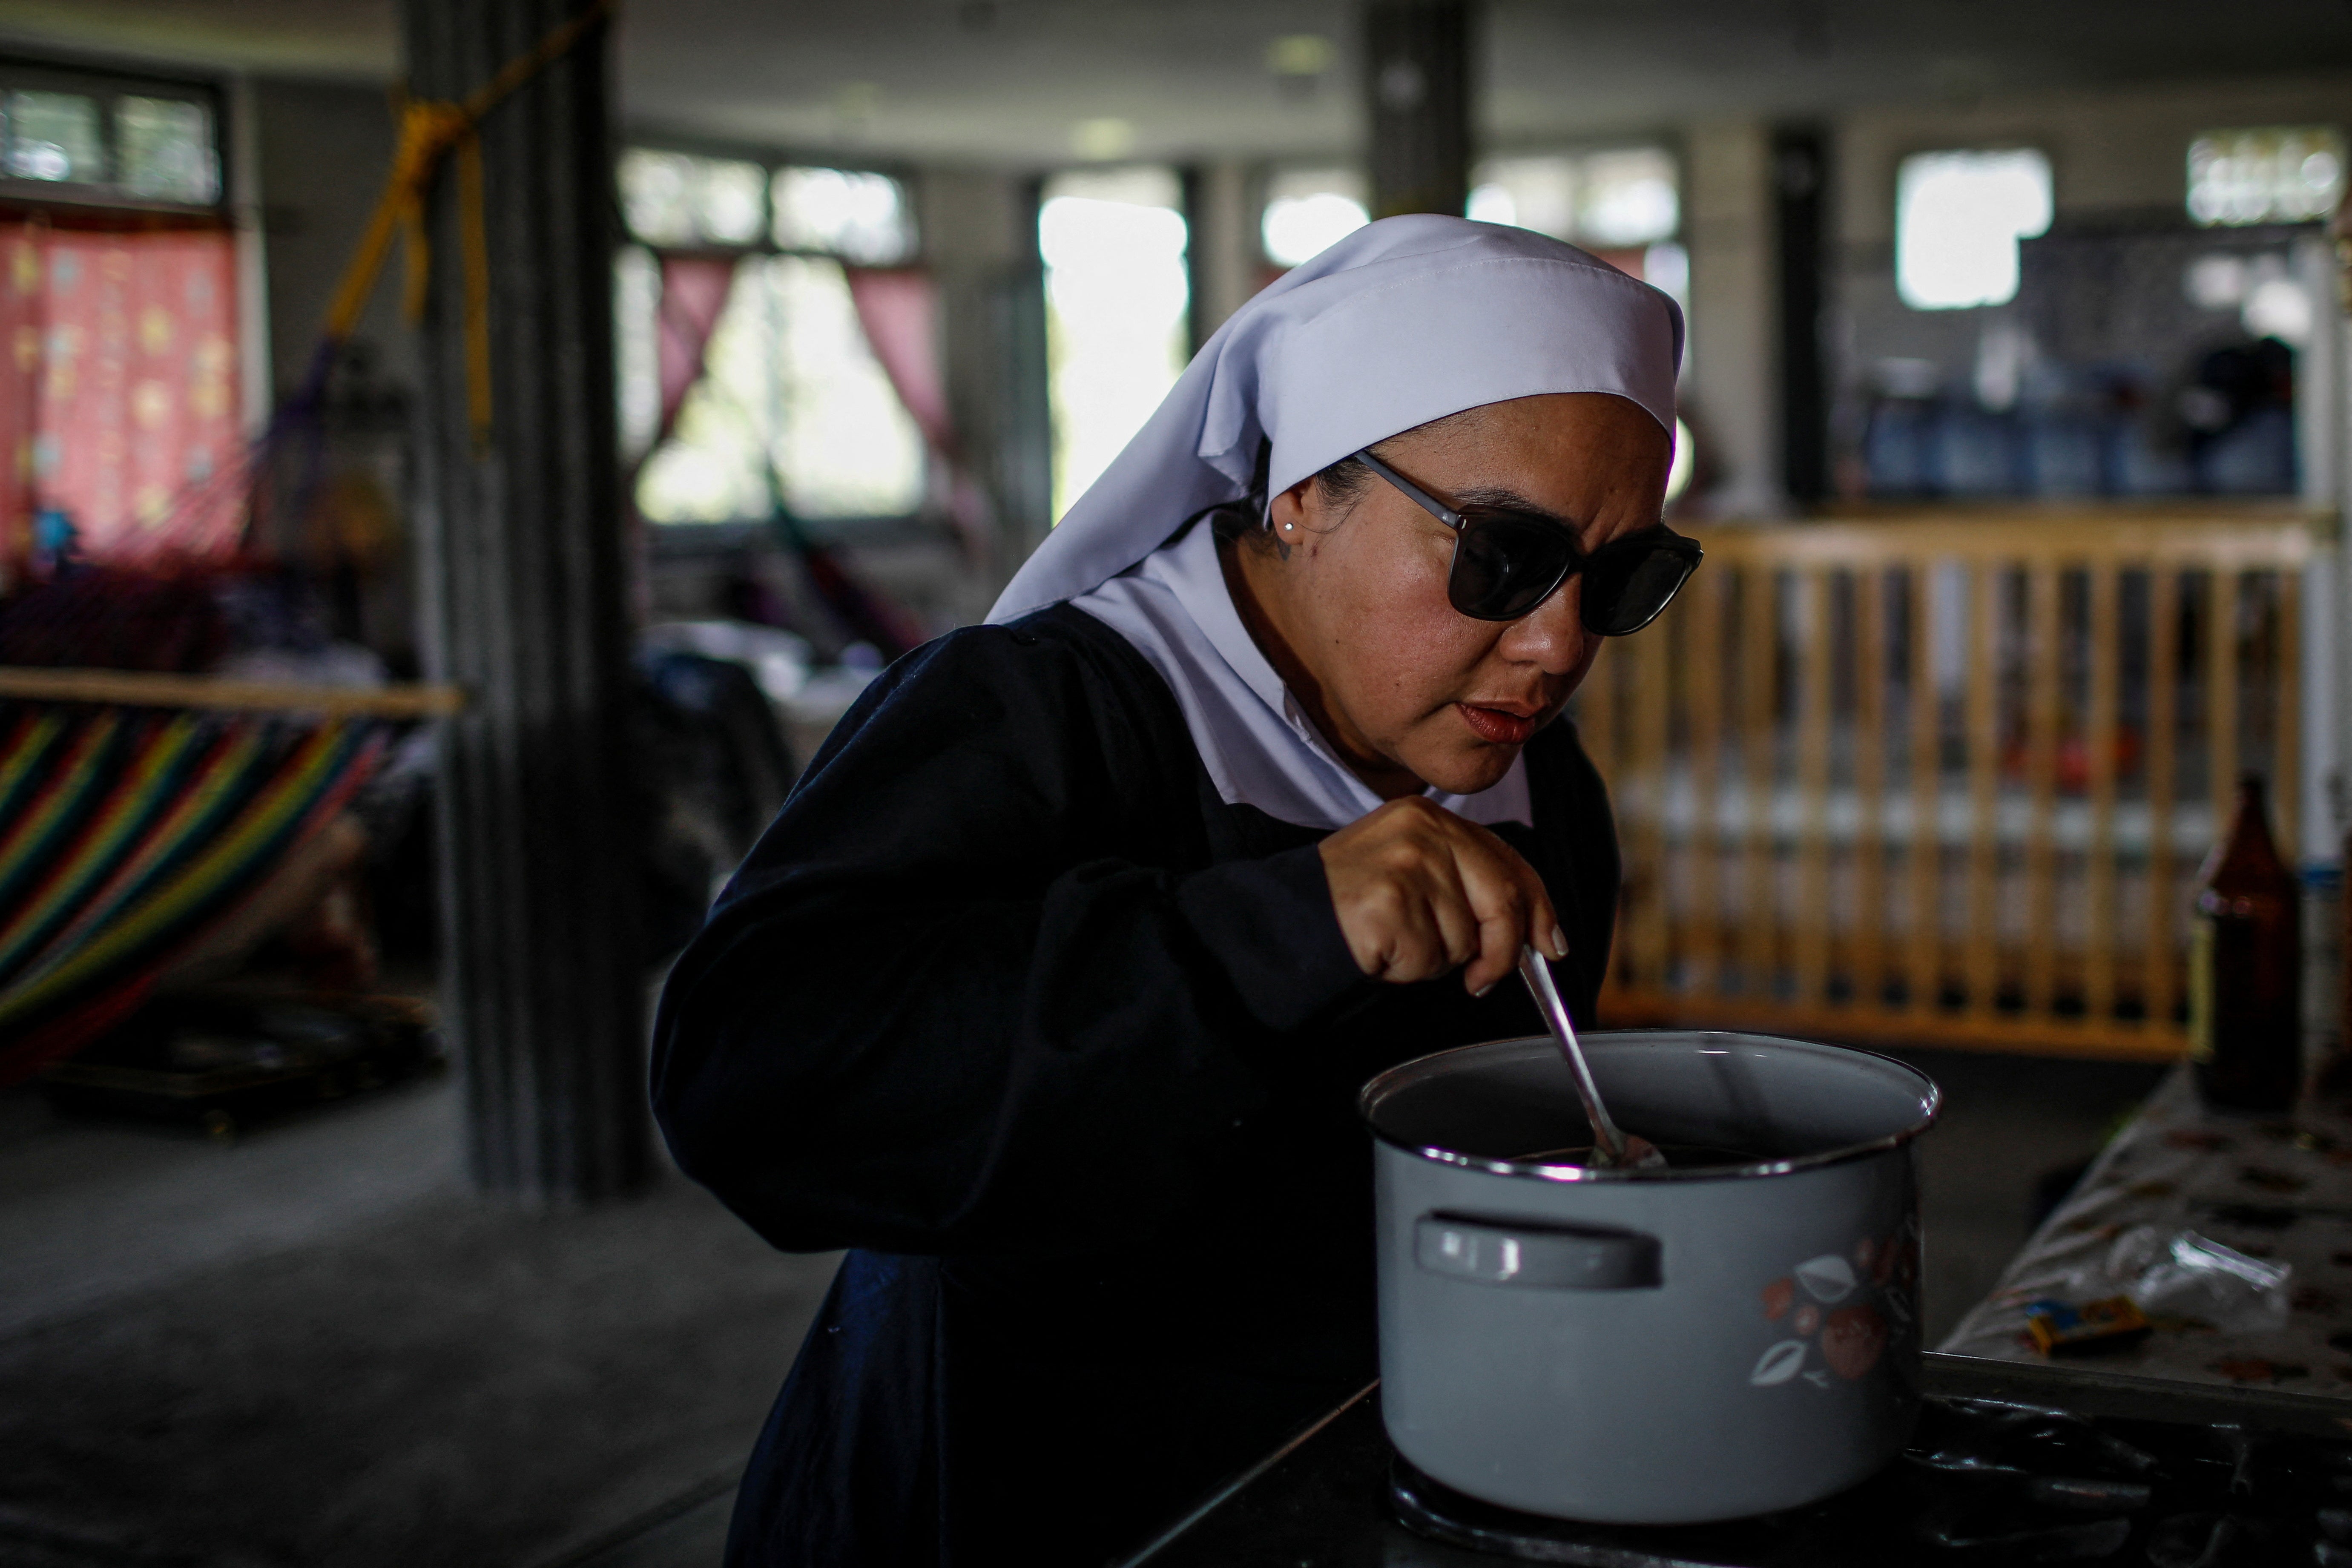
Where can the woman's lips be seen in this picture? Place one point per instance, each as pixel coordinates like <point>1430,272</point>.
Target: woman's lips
<point>1497,725</point>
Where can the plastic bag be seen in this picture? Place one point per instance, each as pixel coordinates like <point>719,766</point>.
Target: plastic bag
<point>2181,1274</point>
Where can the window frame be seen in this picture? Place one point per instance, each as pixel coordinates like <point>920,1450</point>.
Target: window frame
<point>688,540</point>
<point>773,163</point>
<point>75,198</point>
<point>1670,143</point>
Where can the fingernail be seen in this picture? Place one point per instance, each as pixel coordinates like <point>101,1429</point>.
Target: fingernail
<point>1484,989</point>
<point>1558,942</point>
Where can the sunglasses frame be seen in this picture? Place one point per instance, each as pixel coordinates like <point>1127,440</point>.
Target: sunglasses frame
<point>1655,537</point>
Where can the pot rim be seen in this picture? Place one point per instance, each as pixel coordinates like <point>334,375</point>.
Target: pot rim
<point>1933,1101</point>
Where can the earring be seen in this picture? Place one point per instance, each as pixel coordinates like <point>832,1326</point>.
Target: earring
<point>1287,527</point>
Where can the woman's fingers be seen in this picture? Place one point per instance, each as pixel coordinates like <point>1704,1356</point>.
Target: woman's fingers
<point>1421,892</point>
<point>1511,906</point>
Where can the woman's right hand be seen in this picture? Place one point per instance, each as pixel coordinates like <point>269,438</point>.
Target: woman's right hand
<point>1421,891</point>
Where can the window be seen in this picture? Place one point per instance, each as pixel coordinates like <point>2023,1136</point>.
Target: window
<point>1115,291</point>
<point>1618,199</point>
<point>1957,219</point>
<point>93,139</point>
<point>791,408</point>
<point>1308,209</point>
<point>2283,174</point>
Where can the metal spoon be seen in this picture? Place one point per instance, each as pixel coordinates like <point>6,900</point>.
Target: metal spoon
<point>1613,1148</point>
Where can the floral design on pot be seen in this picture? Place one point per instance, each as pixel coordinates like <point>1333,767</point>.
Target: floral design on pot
<point>1853,1340</point>
<point>1828,1279</point>
<point>1858,1301</point>
<point>1778,1364</point>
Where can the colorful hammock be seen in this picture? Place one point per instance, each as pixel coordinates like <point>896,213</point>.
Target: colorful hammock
<point>126,835</point>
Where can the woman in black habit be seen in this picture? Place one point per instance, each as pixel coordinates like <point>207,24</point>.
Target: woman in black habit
<point>1049,992</point>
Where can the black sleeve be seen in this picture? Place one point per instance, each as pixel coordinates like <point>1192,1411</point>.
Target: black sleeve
<point>937,1012</point>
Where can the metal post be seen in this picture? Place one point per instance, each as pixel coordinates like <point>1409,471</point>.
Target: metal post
<point>522,583</point>
<point>1417,87</point>
<point>1800,186</point>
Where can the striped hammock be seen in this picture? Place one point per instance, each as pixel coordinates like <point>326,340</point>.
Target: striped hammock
<point>126,835</point>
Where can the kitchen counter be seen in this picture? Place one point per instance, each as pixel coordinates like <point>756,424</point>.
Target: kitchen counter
<point>2276,1189</point>
<point>2262,1469</point>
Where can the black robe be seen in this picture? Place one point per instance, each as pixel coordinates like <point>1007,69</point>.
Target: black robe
<point>1066,1050</point>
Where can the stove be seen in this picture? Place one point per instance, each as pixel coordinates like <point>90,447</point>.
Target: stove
<point>1984,1482</point>
<point>2013,1463</point>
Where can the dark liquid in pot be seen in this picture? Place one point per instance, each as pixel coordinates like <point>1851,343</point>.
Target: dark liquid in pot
<point>1679,1156</point>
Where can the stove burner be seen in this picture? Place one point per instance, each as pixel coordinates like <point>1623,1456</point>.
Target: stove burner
<point>1982,1482</point>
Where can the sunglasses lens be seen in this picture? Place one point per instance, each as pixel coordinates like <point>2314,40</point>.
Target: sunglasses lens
<point>1505,565</point>
<point>1625,588</point>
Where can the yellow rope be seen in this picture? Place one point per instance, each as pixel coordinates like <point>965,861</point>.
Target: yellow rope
<point>430,131</point>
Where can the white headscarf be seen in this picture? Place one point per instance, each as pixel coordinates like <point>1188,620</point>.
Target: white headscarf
<point>1403,321</point>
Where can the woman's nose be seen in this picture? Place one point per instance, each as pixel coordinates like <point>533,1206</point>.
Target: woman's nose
<point>1551,635</point>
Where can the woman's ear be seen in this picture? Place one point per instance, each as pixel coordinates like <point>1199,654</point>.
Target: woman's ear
<point>1291,511</point>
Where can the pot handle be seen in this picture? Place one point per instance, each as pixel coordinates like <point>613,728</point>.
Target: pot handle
<point>1540,1254</point>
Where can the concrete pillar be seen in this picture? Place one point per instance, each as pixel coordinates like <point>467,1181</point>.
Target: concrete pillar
<point>1417,93</point>
<point>544,973</point>
<point>1733,386</point>
<point>1221,249</point>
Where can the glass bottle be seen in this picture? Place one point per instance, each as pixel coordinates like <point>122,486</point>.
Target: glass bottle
<point>2245,967</point>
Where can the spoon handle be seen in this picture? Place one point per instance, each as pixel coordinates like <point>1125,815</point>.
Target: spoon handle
<point>1610,1141</point>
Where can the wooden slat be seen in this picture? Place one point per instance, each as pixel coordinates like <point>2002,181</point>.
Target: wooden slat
<point>1646,733</point>
<point>2099,739</point>
<point>2159,970</point>
<point>1758,618</point>
<point>1871,677</point>
<point>2045,664</point>
<point>2257,540</point>
<point>1923,859</point>
<point>1702,628</point>
<point>1596,710</point>
<point>2221,591</point>
<point>1894,1027</point>
<point>1813,685</point>
<point>131,688</point>
<point>1982,964</point>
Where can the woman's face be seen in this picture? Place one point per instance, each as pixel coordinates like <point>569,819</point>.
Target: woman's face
<point>1410,690</point>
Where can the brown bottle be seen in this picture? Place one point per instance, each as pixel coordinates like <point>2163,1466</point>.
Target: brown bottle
<point>2245,967</point>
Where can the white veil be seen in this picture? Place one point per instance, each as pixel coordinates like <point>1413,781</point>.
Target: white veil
<point>1403,321</point>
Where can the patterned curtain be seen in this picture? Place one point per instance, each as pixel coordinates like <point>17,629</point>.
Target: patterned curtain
<point>121,356</point>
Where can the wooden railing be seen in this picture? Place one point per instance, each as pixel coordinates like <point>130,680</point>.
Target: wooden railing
<point>1945,781</point>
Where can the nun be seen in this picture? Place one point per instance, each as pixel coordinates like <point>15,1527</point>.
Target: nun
<point>1047,995</point>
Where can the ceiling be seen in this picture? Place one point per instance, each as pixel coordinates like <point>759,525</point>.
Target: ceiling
<point>1040,81</point>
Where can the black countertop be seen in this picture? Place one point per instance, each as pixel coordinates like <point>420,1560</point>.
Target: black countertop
<point>1322,1501</point>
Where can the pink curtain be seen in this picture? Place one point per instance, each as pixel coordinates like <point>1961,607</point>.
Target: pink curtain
<point>694,291</point>
<point>137,419</point>
<point>898,308</point>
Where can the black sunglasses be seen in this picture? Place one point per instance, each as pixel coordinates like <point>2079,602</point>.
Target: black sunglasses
<point>1507,563</point>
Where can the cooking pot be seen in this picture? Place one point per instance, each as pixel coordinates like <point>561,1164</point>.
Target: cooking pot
<point>1655,1346</point>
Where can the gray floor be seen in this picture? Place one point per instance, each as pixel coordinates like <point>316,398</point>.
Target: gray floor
<point>314,1347</point>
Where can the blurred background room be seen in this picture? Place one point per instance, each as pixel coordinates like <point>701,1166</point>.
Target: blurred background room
<point>458,458</point>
